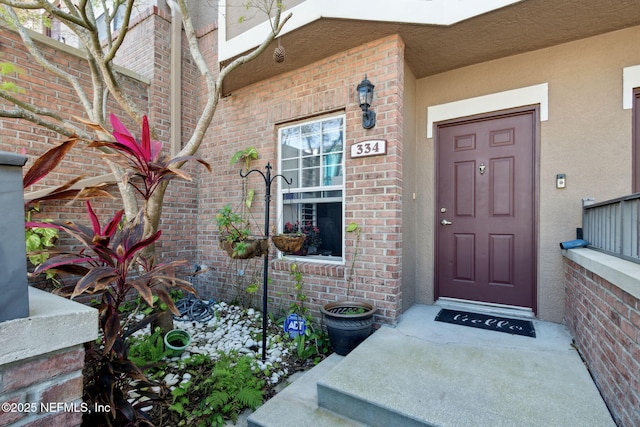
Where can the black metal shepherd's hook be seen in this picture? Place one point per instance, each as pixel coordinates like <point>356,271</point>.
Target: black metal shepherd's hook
<point>267,200</point>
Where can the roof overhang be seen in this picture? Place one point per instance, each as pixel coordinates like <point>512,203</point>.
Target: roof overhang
<point>422,12</point>
<point>458,33</point>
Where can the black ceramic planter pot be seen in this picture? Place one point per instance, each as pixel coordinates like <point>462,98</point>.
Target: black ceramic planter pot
<point>348,324</point>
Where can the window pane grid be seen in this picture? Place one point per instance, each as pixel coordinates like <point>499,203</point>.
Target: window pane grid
<point>313,152</point>
<point>312,156</point>
<point>308,214</point>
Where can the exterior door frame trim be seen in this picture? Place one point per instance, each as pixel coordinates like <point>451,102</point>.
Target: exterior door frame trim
<point>535,109</point>
<point>515,98</point>
<point>635,141</point>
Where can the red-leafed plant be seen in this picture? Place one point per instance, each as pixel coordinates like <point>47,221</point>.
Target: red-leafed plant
<point>39,239</point>
<point>44,164</point>
<point>143,159</point>
<point>306,229</point>
<point>113,262</point>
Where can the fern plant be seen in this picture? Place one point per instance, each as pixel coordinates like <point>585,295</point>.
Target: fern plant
<point>224,388</point>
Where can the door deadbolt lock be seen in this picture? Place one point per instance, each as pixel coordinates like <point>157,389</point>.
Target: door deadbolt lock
<point>443,210</point>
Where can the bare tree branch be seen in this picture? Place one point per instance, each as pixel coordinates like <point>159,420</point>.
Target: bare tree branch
<point>44,5</point>
<point>214,87</point>
<point>29,107</point>
<point>276,26</point>
<point>39,57</point>
<point>20,113</point>
<point>80,18</point>
<point>22,5</point>
<point>124,28</point>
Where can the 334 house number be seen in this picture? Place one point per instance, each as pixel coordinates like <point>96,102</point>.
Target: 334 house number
<point>374,147</point>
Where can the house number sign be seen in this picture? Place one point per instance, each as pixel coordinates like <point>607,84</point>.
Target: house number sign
<point>373,147</point>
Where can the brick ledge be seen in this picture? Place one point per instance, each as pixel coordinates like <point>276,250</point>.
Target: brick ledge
<point>624,274</point>
<point>54,323</point>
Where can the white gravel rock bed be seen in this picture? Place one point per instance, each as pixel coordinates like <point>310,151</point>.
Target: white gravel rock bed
<point>232,329</point>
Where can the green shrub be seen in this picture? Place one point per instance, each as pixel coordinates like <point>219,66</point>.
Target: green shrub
<point>147,350</point>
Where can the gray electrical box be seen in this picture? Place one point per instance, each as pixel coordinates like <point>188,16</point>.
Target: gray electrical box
<point>14,290</point>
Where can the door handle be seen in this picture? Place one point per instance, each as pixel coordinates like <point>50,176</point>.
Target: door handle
<point>445,222</point>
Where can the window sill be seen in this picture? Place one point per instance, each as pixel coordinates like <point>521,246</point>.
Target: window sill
<point>313,265</point>
<point>322,259</point>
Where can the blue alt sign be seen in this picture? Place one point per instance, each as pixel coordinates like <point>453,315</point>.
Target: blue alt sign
<point>295,325</point>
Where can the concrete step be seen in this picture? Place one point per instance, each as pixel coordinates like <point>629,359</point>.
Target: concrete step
<point>371,393</point>
<point>426,373</point>
<point>296,405</point>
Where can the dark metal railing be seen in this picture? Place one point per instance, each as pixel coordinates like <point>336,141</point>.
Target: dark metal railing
<point>612,227</point>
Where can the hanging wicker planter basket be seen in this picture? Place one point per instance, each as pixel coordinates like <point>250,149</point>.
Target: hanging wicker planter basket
<point>253,248</point>
<point>288,242</point>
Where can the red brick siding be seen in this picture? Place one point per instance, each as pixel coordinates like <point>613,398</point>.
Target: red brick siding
<point>51,92</point>
<point>250,116</point>
<point>605,323</point>
<point>8,417</point>
<point>149,59</point>
<point>49,378</point>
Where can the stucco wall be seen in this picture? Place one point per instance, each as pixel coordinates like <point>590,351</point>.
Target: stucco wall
<point>587,137</point>
<point>409,166</point>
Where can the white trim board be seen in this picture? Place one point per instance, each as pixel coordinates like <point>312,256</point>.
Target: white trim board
<point>630,81</point>
<point>530,95</point>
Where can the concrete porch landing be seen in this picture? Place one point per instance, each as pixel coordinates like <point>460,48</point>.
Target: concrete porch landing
<point>427,373</point>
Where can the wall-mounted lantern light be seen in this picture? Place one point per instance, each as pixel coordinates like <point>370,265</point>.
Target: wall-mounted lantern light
<point>365,96</point>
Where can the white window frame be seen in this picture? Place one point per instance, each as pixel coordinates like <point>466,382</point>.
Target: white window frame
<point>101,24</point>
<point>115,24</point>
<point>283,188</point>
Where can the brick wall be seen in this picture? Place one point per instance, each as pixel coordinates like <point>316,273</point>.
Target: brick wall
<point>250,116</point>
<point>38,384</point>
<point>151,93</point>
<point>605,323</point>
<point>51,92</point>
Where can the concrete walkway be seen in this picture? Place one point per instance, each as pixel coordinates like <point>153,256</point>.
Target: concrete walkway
<point>427,373</point>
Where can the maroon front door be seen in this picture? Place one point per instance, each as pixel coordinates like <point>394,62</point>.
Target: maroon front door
<point>485,210</point>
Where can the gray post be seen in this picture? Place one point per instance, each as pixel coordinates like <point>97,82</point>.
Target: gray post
<point>14,291</point>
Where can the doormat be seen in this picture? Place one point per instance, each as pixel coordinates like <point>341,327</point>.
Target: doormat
<point>484,321</point>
